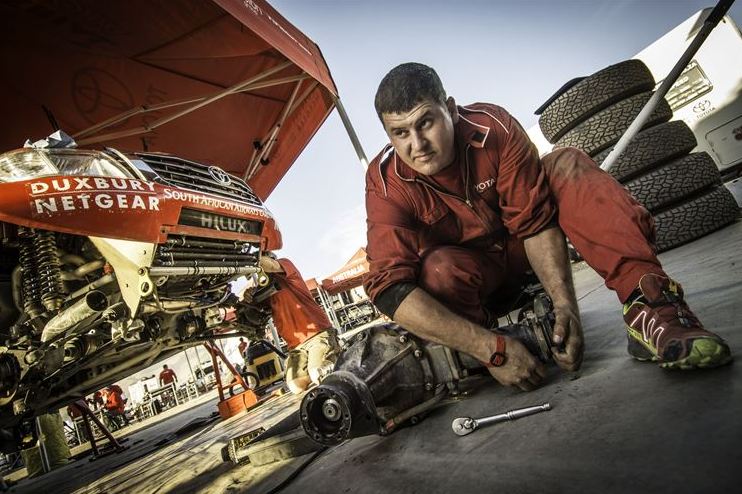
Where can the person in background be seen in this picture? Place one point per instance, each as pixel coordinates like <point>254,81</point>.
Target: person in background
<point>311,339</point>
<point>242,347</point>
<point>167,376</point>
<point>97,400</point>
<point>115,405</point>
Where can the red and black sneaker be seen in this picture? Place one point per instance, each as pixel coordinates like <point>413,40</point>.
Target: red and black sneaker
<point>662,328</point>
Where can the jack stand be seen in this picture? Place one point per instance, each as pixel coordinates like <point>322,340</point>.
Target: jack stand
<point>231,406</point>
<point>88,415</point>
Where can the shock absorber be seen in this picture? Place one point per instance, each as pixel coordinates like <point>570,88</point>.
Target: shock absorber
<point>50,273</point>
<point>30,280</point>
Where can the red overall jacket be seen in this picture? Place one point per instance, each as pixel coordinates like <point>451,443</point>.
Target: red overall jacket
<point>295,313</point>
<point>501,191</point>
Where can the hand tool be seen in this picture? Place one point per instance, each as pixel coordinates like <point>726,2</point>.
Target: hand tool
<point>466,425</point>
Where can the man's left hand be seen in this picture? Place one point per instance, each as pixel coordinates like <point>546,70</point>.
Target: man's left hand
<point>568,343</point>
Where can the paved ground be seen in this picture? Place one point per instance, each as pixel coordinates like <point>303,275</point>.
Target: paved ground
<point>617,425</point>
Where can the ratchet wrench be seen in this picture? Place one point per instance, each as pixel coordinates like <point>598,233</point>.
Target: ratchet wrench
<point>466,425</point>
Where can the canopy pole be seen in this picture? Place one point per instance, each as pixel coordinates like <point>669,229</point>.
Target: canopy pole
<point>121,117</point>
<point>709,24</point>
<point>267,144</point>
<point>351,133</point>
<point>162,121</point>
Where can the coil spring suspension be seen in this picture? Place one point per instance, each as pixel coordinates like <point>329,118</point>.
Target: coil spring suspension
<point>50,273</point>
<point>30,280</point>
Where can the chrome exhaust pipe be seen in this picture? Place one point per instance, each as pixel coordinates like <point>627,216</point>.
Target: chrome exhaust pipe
<point>94,302</point>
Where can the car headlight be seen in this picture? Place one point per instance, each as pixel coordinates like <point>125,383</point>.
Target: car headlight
<point>25,164</point>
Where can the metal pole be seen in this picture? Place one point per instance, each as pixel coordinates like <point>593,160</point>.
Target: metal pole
<point>45,465</point>
<point>709,24</point>
<point>198,361</point>
<point>190,368</point>
<point>351,133</point>
<point>276,341</point>
<point>328,307</point>
<point>175,393</point>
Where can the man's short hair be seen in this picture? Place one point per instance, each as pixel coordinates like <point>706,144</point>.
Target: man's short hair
<point>407,85</point>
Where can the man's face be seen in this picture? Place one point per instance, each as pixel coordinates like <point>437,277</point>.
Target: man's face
<point>424,137</point>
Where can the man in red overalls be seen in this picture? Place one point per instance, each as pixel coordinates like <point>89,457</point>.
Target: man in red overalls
<point>303,324</point>
<point>460,206</point>
<point>116,404</point>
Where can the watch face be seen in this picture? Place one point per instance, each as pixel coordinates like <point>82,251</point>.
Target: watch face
<point>497,359</point>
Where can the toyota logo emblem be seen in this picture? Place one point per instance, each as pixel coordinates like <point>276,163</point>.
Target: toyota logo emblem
<point>702,106</point>
<point>220,175</point>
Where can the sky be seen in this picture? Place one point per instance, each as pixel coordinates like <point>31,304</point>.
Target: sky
<point>512,53</point>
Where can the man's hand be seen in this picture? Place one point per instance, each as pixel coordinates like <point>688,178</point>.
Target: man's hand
<point>270,265</point>
<point>426,317</point>
<point>547,253</point>
<point>520,369</point>
<point>568,347</point>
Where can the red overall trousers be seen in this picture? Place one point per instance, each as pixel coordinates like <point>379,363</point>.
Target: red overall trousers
<point>612,232</point>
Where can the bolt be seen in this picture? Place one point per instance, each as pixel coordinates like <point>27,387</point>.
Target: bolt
<point>418,353</point>
<point>428,386</point>
<point>331,410</point>
<point>403,339</point>
<point>19,407</point>
<point>145,286</point>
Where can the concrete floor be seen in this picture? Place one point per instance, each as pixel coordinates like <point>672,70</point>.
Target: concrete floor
<point>617,425</point>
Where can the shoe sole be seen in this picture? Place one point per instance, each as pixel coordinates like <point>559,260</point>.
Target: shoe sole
<point>705,353</point>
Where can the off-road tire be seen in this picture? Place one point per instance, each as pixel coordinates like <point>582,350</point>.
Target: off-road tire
<point>677,180</point>
<point>593,94</point>
<point>695,218</point>
<point>650,148</point>
<point>606,127</point>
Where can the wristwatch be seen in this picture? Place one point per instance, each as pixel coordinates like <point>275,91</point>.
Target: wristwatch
<point>498,357</point>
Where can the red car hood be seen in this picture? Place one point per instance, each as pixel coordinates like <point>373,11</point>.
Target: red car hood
<point>225,82</point>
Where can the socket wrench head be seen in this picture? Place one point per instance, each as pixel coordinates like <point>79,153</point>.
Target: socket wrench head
<point>463,426</point>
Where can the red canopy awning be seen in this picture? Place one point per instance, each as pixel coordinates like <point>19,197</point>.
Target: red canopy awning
<point>312,284</point>
<point>349,276</point>
<point>225,82</point>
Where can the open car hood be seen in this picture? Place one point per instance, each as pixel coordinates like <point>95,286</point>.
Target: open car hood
<point>226,82</point>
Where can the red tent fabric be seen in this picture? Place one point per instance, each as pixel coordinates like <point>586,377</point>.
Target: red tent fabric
<point>225,82</point>
<point>312,284</point>
<point>349,276</point>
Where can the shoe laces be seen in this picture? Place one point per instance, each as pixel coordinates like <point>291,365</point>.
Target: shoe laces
<point>680,309</point>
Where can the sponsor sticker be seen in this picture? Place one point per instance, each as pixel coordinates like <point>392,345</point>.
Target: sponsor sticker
<point>60,195</point>
<point>67,194</point>
<point>214,202</point>
<point>204,219</point>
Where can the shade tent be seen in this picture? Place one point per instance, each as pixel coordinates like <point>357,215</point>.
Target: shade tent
<point>349,276</point>
<point>312,284</point>
<point>224,82</point>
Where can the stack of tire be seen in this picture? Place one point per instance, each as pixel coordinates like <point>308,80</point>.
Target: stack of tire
<point>682,190</point>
